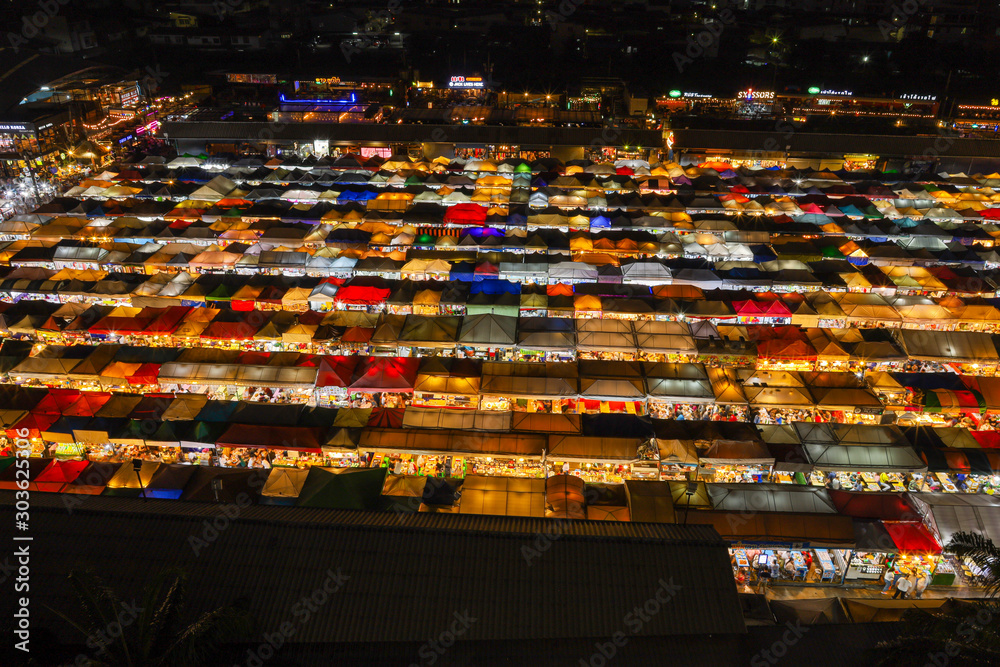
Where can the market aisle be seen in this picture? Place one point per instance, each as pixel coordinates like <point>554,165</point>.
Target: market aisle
<point>779,592</point>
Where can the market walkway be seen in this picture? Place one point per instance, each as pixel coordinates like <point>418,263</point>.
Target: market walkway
<point>806,591</point>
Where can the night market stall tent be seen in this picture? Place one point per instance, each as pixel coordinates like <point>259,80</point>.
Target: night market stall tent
<point>503,496</point>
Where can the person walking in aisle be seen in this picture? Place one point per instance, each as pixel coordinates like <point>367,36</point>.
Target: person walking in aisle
<point>890,579</point>
<point>903,586</point>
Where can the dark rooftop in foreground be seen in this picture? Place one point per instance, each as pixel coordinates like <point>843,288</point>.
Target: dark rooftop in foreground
<point>833,144</point>
<point>366,132</point>
<point>408,573</point>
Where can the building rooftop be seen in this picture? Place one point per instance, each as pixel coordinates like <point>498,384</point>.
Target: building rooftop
<point>521,578</point>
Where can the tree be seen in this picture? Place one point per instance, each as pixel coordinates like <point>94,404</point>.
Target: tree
<point>962,632</point>
<point>985,556</point>
<point>154,631</point>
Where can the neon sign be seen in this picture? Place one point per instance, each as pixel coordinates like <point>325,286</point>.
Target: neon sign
<point>751,95</point>
<point>466,82</point>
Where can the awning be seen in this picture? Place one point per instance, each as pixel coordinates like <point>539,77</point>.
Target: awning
<point>469,420</point>
<point>300,438</point>
<point>649,501</point>
<point>958,512</point>
<point>912,536</point>
<point>863,505</point>
<point>734,452</point>
<point>748,498</point>
<point>529,387</point>
<point>585,449</point>
<point>857,458</point>
<point>451,441</point>
<point>385,374</point>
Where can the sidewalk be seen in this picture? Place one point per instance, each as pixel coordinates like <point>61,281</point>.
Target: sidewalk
<point>784,591</point>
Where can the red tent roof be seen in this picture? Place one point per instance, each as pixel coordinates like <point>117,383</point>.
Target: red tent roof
<point>57,475</point>
<point>748,308</point>
<point>311,318</point>
<point>357,335</point>
<point>386,418</point>
<point>229,331</point>
<point>912,536</point>
<point>362,294</point>
<point>466,214</point>
<point>784,349</point>
<point>987,439</point>
<point>386,374</point>
<point>336,371</point>
<point>87,404</point>
<point>885,506</point>
<point>167,321</point>
<point>35,423</point>
<point>56,401</point>
<point>254,358</point>
<point>145,374</point>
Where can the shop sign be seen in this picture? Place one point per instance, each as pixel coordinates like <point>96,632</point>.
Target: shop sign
<point>918,98</point>
<point>867,411</point>
<point>466,82</point>
<point>17,127</point>
<point>755,95</point>
<point>130,97</point>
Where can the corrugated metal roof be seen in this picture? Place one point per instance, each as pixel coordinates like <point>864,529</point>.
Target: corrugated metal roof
<point>834,144</point>
<point>464,134</point>
<point>408,574</point>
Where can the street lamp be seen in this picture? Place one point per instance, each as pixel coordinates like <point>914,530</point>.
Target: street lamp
<point>137,467</point>
<point>692,488</point>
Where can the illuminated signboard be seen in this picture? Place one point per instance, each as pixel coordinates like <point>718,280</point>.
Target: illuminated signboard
<point>688,96</point>
<point>816,90</point>
<point>751,95</point>
<point>130,97</point>
<point>17,127</point>
<point>321,147</point>
<point>466,82</point>
<point>919,98</point>
<point>252,78</point>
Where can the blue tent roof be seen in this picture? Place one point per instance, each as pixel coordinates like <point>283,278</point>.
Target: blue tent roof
<point>495,286</point>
